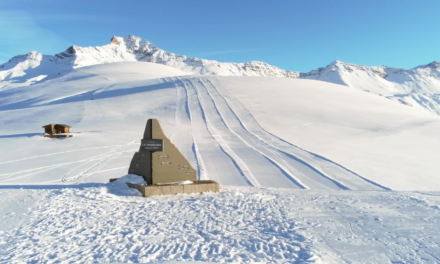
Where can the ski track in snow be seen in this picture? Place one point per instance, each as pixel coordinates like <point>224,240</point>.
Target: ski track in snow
<point>210,155</point>
<point>95,166</point>
<point>105,223</point>
<point>87,167</point>
<point>57,153</point>
<point>234,149</point>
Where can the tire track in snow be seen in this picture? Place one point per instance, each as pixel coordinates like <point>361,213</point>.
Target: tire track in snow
<point>213,161</point>
<point>242,167</point>
<point>340,176</point>
<point>258,168</point>
<point>183,139</point>
<point>269,154</point>
<point>293,168</point>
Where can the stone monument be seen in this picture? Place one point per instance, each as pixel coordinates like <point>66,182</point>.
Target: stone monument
<point>158,161</point>
<point>163,167</point>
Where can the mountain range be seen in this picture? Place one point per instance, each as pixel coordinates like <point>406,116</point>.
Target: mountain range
<point>418,87</point>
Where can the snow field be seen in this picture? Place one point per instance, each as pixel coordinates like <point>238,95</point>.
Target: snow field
<point>271,166</point>
<point>239,131</point>
<point>384,142</point>
<point>104,223</point>
<point>288,154</point>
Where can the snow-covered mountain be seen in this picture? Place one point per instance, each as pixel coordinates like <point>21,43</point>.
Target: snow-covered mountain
<point>418,87</point>
<point>380,79</point>
<point>27,69</point>
<point>24,70</point>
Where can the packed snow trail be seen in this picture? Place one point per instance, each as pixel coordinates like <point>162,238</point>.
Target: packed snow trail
<point>250,161</point>
<point>210,156</point>
<point>233,149</point>
<point>340,175</point>
<point>279,158</point>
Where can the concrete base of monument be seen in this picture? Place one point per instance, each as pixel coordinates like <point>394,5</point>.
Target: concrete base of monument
<point>166,189</point>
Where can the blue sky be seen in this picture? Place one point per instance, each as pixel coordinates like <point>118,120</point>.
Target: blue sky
<point>292,34</point>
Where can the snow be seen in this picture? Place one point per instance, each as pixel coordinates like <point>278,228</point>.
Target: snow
<point>120,186</point>
<point>310,171</point>
<point>267,132</point>
<point>418,87</point>
<point>378,139</point>
<point>89,223</point>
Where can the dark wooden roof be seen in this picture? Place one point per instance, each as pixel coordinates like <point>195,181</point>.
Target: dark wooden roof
<point>63,125</point>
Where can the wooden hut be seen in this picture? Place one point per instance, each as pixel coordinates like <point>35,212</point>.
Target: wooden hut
<point>53,129</point>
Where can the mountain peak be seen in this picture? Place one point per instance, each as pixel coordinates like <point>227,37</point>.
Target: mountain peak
<point>132,38</point>
<point>128,40</point>
<point>115,40</point>
<point>336,62</point>
<point>34,55</point>
<point>435,64</point>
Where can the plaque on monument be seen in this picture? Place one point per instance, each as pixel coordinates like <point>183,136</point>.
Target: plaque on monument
<point>152,144</point>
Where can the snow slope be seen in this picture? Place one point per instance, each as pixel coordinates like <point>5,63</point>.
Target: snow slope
<point>418,87</point>
<point>260,131</point>
<point>305,169</point>
<point>32,68</point>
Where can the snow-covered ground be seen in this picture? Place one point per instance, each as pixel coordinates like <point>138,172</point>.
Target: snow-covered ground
<point>261,131</point>
<point>99,223</point>
<point>306,169</point>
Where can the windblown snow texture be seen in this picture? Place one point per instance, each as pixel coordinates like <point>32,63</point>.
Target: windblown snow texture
<point>93,223</point>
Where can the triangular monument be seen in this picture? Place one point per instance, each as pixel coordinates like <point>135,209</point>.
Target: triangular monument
<point>158,160</point>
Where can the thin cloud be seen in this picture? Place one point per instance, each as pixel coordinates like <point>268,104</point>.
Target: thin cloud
<point>20,34</point>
